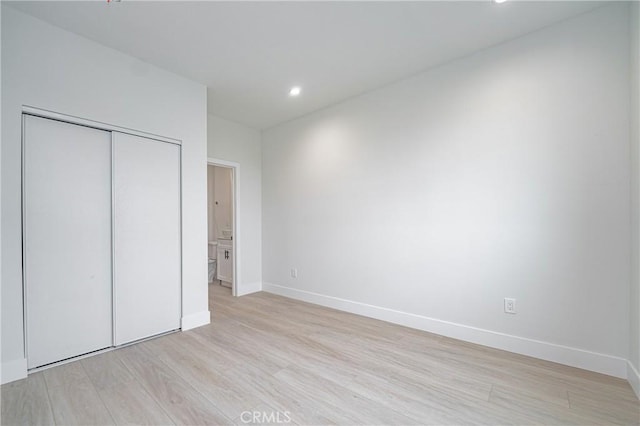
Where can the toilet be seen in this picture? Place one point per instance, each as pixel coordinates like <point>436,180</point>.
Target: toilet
<point>212,260</point>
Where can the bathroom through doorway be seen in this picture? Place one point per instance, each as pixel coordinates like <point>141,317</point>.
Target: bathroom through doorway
<point>221,225</point>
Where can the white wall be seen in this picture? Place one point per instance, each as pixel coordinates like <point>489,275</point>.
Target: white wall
<point>1,203</point>
<point>46,67</point>
<point>220,201</point>
<point>502,174</point>
<point>223,191</point>
<point>240,144</point>
<point>211,184</point>
<point>634,300</point>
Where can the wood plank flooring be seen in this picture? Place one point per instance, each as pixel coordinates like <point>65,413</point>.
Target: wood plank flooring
<point>268,359</point>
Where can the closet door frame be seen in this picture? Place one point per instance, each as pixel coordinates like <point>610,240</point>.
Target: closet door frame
<point>70,119</point>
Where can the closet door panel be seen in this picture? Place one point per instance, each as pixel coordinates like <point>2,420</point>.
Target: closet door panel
<point>147,243</point>
<point>67,239</point>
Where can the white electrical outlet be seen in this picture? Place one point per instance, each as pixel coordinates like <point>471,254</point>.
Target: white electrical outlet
<point>509,305</point>
<point>294,273</point>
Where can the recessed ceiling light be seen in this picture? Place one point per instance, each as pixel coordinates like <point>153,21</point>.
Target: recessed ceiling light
<point>295,91</point>
<point>499,1</point>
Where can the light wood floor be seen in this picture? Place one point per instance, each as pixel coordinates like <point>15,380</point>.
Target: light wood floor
<point>275,356</point>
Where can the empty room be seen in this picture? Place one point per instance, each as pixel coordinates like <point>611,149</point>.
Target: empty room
<point>320,213</point>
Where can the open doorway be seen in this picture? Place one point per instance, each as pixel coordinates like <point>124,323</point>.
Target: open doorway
<point>222,226</point>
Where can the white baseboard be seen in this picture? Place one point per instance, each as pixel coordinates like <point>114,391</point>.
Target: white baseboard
<point>196,320</point>
<point>634,378</point>
<point>13,370</point>
<point>601,363</point>
<point>244,289</point>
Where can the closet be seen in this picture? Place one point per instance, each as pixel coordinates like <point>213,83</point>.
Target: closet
<point>101,238</point>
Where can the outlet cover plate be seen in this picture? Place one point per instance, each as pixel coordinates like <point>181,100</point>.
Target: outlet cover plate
<point>509,305</point>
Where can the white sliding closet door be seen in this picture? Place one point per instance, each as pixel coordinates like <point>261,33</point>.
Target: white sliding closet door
<point>67,239</point>
<point>147,252</point>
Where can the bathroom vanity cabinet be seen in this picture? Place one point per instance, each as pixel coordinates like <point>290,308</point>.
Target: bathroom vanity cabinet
<point>225,262</point>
